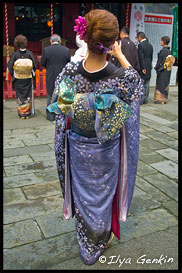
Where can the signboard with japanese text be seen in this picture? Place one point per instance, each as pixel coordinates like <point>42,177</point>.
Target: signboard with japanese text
<point>157,26</point>
<point>136,20</point>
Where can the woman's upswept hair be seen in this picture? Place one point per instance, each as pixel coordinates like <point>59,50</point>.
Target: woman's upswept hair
<point>20,41</point>
<point>102,28</point>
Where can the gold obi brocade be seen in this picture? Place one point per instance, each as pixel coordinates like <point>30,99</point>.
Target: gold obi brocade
<point>81,110</point>
<point>23,68</point>
<point>169,61</point>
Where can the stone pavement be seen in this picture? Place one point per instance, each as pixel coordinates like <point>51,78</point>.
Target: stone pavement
<point>35,234</point>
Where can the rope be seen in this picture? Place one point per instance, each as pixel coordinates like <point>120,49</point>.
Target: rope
<point>127,15</point>
<point>7,37</point>
<point>51,18</point>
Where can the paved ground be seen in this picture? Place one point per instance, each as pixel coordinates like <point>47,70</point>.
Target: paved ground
<point>35,234</point>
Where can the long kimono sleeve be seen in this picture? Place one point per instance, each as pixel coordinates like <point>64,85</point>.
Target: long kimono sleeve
<point>132,128</point>
<point>10,64</point>
<point>59,147</point>
<point>59,143</point>
<point>60,130</point>
<point>33,60</point>
<point>131,88</point>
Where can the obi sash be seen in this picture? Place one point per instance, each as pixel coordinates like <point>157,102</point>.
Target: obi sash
<point>23,68</point>
<point>101,111</point>
<point>169,61</point>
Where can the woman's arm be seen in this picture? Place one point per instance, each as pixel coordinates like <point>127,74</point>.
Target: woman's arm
<point>141,58</point>
<point>161,60</point>
<point>130,85</point>
<point>158,61</point>
<point>33,60</point>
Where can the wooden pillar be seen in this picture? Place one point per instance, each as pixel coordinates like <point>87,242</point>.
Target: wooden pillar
<point>69,14</point>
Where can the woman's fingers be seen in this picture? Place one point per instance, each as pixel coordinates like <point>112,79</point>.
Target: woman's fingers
<point>116,49</point>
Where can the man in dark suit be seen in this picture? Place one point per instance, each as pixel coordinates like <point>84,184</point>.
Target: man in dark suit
<point>145,54</point>
<point>128,49</point>
<point>54,58</point>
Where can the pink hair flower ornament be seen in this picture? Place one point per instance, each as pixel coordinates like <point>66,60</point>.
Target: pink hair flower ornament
<point>80,27</point>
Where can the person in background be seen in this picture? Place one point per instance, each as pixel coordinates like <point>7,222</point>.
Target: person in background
<point>163,69</point>
<point>145,54</point>
<point>54,58</point>
<point>80,53</point>
<point>97,108</point>
<point>128,49</point>
<point>22,69</point>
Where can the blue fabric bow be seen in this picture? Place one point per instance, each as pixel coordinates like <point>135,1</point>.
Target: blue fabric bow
<point>103,111</point>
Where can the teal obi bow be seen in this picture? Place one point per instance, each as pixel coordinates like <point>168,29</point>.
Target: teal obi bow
<point>103,111</point>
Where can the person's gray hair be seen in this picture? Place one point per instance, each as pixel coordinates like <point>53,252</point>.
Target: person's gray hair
<point>55,38</point>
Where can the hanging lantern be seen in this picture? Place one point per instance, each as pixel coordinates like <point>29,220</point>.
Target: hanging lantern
<point>49,23</point>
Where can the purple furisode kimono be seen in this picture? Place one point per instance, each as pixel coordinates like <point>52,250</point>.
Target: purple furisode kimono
<point>97,165</point>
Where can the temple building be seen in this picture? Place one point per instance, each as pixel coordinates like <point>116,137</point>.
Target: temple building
<point>34,21</point>
<point>38,20</point>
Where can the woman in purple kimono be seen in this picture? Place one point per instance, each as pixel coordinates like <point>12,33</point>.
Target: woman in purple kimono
<point>97,135</point>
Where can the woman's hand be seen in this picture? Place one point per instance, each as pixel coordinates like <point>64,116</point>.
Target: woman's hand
<point>117,53</point>
<point>116,50</point>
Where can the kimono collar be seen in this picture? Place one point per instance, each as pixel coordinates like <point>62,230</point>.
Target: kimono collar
<point>83,63</point>
<point>95,76</point>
